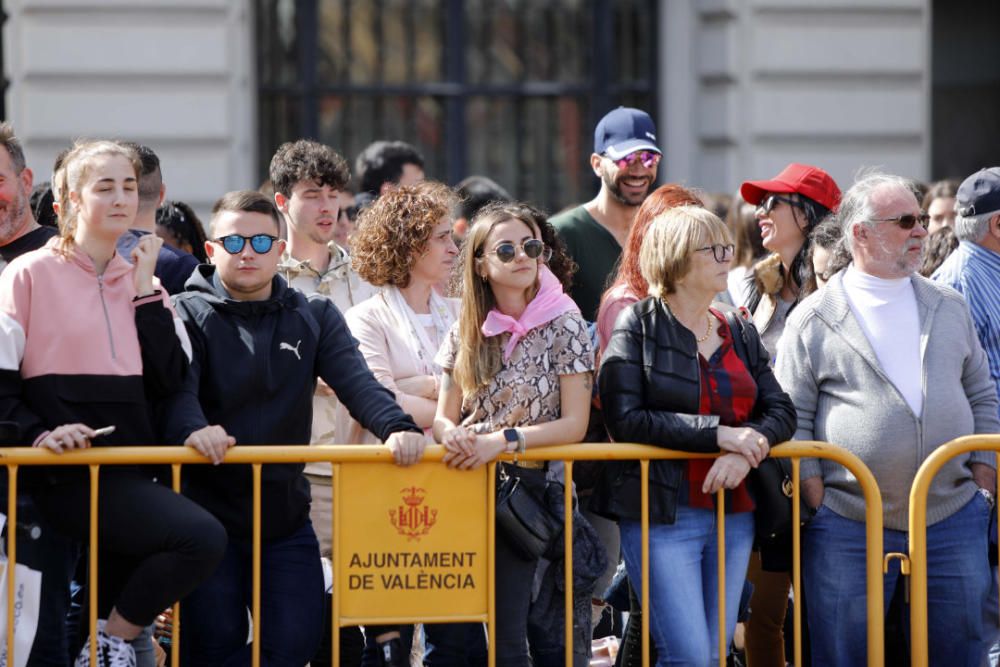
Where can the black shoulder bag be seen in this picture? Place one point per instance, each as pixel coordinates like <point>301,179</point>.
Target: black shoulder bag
<point>770,484</point>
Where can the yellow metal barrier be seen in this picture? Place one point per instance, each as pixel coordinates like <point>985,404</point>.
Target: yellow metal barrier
<point>918,533</point>
<point>12,458</point>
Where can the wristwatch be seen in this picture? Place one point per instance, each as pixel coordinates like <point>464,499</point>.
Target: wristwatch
<point>988,496</point>
<point>515,440</point>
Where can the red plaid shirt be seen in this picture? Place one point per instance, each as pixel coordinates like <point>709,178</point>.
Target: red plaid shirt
<point>729,391</point>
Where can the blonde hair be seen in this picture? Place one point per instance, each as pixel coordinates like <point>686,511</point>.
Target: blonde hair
<point>478,358</point>
<point>73,173</point>
<point>665,256</point>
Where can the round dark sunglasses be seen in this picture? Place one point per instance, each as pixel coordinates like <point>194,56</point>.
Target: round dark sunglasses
<point>507,251</point>
<point>234,243</point>
<point>908,221</point>
<point>768,203</point>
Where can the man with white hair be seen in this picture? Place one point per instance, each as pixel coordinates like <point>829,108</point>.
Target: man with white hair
<point>887,364</point>
<point>974,268</point>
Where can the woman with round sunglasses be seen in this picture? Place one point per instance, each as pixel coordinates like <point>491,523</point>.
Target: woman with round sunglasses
<point>789,206</point>
<point>675,375</point>
<point>517,374</point>
<point>91,341</point>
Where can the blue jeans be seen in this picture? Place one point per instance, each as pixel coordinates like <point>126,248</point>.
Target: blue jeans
<point>958,581</point>
<point>214,617</point>
<point>683,558</point>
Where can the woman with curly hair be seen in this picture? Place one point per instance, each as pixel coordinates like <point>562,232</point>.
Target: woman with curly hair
<point>404,246</point>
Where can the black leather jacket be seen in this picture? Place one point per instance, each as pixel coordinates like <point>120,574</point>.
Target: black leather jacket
<point>650,384</point>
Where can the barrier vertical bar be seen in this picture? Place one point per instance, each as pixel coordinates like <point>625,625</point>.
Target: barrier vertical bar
<point>175,622</point>
<point>644,524</point>
<point>796,562</point>
<point>255,612</point>
<point>720,518</point>
<point>568,558</point>
<point>11,557</point>
<point>92,575</point>
<point>491,594</point>
<point>335,566</point>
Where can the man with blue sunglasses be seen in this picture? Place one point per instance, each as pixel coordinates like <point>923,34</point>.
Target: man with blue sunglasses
<point>258,347</point>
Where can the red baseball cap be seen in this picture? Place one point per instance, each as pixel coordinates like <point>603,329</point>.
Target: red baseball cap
<point>803,179</point>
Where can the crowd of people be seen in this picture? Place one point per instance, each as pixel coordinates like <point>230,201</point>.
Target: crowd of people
<point>411,313</point>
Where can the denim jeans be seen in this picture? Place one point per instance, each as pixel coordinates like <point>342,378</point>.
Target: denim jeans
<point>215,623</point>
<point>958,581</point>
<point>683,561</point>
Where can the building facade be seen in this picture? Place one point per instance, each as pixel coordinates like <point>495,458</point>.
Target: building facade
<point>511,89</point>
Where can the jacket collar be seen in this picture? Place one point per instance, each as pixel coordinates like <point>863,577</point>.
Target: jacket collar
<point>834,308</point>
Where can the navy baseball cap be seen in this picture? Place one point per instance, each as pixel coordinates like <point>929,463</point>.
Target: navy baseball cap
<point>625,131</point>
<point>979,193</point>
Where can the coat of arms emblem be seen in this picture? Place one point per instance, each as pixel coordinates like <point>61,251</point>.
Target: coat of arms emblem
<point>412,518</point>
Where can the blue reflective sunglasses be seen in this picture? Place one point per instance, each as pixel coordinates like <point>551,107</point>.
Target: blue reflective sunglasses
<point>233,243</point>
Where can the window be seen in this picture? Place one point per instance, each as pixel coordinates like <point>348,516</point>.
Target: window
<point>502,88</point>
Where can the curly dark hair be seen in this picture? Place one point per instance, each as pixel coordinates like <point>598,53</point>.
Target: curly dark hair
<point>183,224</point>
<point>395,229</point>
<point>303,160</point>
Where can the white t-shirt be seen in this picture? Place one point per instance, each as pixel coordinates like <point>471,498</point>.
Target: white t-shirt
<point>887,312</point>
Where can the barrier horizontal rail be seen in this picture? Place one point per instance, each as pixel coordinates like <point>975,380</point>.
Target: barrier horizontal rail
<point>918,532</point>
<point>255,456</point>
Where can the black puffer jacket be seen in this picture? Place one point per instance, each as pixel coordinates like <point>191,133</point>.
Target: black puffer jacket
<point>650,384</point>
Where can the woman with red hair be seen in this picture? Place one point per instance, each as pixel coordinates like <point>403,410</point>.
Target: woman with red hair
<point>629,286</point>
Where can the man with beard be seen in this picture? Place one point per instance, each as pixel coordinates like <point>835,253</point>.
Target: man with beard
<point>625,158</point>
<point>38,546</point>
<point>19,233</point>
<point>887,364</point>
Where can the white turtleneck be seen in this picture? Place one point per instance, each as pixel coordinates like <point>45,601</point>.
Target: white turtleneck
<point>887,312</point>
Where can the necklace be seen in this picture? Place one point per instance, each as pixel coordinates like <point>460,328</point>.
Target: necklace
<point>708,319</point>
<point>708,331</point>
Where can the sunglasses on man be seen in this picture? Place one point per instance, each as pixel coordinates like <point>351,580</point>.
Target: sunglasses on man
<point>647,158</point>
<point>234,243</point>
<point>533,249</point>
<point>908,221</point>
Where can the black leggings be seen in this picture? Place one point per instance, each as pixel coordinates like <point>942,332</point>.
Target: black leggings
<point>154,546</point>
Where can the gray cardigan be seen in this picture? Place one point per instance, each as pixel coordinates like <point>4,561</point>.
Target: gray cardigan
<point>842,396</point>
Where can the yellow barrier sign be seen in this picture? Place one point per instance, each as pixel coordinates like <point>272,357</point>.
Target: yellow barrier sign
<point>414,544</point>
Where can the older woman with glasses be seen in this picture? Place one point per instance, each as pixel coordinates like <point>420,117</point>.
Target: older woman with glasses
<point>674,375</point>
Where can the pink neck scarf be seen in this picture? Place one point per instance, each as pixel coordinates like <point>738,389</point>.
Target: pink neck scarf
<point>548,304</point>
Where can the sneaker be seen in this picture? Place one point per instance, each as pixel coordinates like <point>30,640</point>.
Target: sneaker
<point>111,651</point>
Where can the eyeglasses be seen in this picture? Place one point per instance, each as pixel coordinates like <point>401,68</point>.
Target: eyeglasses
<point>768,203</point>
<point>533,249</point>
<point>647,158</point>
<point>908,221</point>
<point>720,251</point>
<point>234,243</point>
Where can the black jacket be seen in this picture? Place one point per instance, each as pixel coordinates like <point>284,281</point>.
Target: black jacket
<point>650,384</point>
<point>254,372</point>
